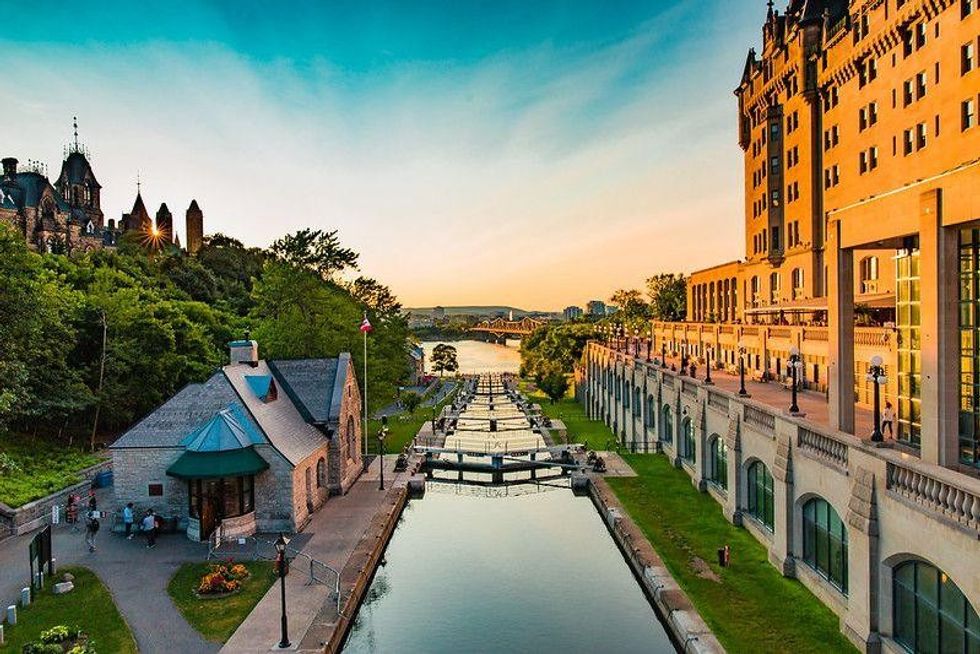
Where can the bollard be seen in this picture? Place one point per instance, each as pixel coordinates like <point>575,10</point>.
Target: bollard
<point>1,634</point>
<point>25,596</point>
<point>12,615</point>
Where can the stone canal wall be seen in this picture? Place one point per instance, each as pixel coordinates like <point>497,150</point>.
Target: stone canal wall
<point>686,626</point>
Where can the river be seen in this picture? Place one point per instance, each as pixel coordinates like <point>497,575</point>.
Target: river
<point>477,356</point>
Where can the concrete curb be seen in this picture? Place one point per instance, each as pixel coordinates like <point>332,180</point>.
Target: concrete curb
<point>687,626</point>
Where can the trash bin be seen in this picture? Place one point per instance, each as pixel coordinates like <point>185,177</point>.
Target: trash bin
<point>103,479</point>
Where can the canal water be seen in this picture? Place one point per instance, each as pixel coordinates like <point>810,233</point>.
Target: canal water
<point>476,356</point>
<point>523,566</point>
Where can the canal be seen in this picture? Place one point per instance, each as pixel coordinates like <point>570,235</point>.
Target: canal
<point>475,357</point>
<point>517,567</point>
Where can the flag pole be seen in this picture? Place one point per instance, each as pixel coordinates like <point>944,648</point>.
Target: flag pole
<point>364,458</point>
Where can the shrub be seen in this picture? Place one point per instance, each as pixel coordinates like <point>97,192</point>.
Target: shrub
<point>222,579</point>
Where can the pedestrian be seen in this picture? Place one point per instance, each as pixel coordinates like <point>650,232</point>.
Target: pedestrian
<point>91,529</point>
<point>150,528</point>
<point>887,419</point>
<point>128,520</point>
<point>92,503</point>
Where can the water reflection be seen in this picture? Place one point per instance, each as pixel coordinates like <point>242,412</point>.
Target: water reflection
<point>472,569</point>
<point>477,356</point>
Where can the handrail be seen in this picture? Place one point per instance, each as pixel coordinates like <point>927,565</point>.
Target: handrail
<point>822,446</point>
<point>760,418</point>
<point>937,495</point>
<point>314,564</point>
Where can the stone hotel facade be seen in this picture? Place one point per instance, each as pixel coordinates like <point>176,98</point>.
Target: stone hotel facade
<point>859,125</point>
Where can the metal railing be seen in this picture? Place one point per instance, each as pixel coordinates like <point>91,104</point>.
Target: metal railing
<point>318,571</point>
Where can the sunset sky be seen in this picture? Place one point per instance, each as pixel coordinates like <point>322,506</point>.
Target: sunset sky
<point>536,154</point>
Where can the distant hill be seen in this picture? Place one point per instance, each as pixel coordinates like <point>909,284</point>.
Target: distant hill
<point>475,311</point>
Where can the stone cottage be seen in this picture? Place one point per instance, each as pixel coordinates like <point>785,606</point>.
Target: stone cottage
<point>258,447</point>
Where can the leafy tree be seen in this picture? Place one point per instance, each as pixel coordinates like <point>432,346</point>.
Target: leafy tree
<point>668,296</point>
<point>375,296</point>
<point>411,401</point>
<point>444,359</point>
<point>631,303</point>
<point>554,347</point>
<point>233,267</point>
<point>317,250</point>
<point>555,385</point>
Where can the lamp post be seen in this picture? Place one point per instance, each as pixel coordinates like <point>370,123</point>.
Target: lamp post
<point>281,543</point>
<point>876,375</point>
<point>741,370</point>
<point>663,354</point>
<point>636,343</point>
<point>707,365</point>
<point>649,344</point>
<point>795,364</point>
<point>382,434</point>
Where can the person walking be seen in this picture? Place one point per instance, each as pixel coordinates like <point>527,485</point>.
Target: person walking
<point>887,420</point>
<point>91,529</point>
<point>128,520</point>
<point>150,528</point>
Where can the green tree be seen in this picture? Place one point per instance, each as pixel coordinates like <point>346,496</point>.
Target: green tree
<point>316,250</point>
<point>411,401</point>
<point>631,304</point>
<point>554,347</point>
<point>554,384</point>
<point>668,296</point>
<point>444,359</point>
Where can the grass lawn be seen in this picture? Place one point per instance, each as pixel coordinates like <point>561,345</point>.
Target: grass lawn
<point>403,428</point>
<point>89,607</point>
<point>217,619</point>
<point>40,468</point>
<point>568,410</point>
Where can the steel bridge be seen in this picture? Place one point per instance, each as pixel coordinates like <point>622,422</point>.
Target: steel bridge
<point>501,328</point>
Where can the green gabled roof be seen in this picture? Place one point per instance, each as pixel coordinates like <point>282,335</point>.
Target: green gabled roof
<point>209,465</point>
<point>260,385</point>
<point>229,429</point>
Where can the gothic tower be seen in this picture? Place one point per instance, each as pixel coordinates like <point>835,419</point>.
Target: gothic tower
<point>165,225</point>
<point>78,187</point>
<point>195,228</point>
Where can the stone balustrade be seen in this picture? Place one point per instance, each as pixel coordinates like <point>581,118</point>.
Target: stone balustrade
<point>760,418</point>
<point>946,498</point>
<point>822,447</point>
<point>718,401</point>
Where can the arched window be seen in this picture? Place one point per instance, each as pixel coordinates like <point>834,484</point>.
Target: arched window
<point>651,410</point>
<point>351,437</point>
<point>619,388</point>
<point>667,426</point>
<point>930,612</point>
<point>825,542</point>
<point>774,286</point>
<point>321,472</point>
<point>637,402</point>
<point>687,440</point>
<point>760,494</point>
<point>626,395</point>
<point>718,461</point>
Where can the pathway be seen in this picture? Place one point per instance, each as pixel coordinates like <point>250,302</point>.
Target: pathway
<point>137,578</point>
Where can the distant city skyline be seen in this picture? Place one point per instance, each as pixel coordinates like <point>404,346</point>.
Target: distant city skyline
<point>536,157</point>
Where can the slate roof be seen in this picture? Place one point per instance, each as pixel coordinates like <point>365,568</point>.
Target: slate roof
<point>188,410</point>
<point>26,190</point>
<point>310,383</point>
<point>76,169</point>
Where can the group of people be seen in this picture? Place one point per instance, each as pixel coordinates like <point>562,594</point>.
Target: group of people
<point>148,524</point>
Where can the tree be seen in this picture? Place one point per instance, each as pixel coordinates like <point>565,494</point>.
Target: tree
<point>668,296</point>
<point>556,346</point>
<point>444,359</point>
<point>375,296</point>
<point>411,401</point>
<point>316,250</point>
<point>630,303</point>
<point>555,385</point>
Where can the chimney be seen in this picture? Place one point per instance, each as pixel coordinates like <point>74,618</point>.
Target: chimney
<point>244,351</point>
<point>9,167</point>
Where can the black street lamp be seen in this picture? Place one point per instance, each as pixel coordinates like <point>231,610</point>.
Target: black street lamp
<point>707,365</point>
<point>382,433</point>
<point>876,375</point>
<point>649,344</point>
<point>795,364</point>
<point>741,370</point>
<point>663,354</point>
<point>281,543</point>
<point>636,343</point>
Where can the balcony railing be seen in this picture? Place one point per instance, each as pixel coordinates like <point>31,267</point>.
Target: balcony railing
<point>957,504</point>
<point>689,388</point>
<point>668,380</point>
<point>760,418</point>
<point>718,401</point>
<point>822,447</point>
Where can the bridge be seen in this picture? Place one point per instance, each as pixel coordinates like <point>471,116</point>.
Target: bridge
<point>498,329</point>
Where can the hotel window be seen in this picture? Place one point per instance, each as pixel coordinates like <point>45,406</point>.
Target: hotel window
<point>774,284</point>
<point>873,158</point>
<point>909,141</point>
<point>966,8</point>
<point>969,112</point>
<point>969,416</point>
<point>825,542</point>
<point>920,136</point>
<point>907,95</point>
<point>920,85</point>
<point>797,283</point>
<point>967,58</point>
<point>869,275</point>
<point>908,321</point>
<point>863,162</point>
<point>920,35</point>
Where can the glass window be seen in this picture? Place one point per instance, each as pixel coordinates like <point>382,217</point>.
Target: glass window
<point>825,542</point>
<point>930,612</point>
<point>687,444</point>
<point>668,426</point>
<point>969,435</point>
<point>718,461</point>
<point>760,500</point>
<point>907,307</point>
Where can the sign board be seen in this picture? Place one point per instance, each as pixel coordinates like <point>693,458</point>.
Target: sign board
<point>56,514</point>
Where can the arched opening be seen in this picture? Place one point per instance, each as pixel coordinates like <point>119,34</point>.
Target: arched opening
<point>309,489</point>
<point>825,542</point>
<point>760,496</point>
<point>930,612</point>
<point>718,461</point>
<point>637,402</point>
<point>687,440</point>
<point>321,473</point>
<point>351,437</point>
<point>651,410</point>
<point>667,426</point>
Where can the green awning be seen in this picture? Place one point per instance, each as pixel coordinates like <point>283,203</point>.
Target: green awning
<point>208,465</point>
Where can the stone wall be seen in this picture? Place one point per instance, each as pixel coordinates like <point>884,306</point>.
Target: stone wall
<point>33,515</point>
<point>346,461</point>
<point>895,507</point>
<point>135,469</point>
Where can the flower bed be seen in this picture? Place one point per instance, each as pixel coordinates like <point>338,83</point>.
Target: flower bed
<point>222,579</point>
<point>216,616</point>
<point>59,640</point>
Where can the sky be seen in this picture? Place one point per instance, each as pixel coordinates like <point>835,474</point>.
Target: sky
<point>533,154</point>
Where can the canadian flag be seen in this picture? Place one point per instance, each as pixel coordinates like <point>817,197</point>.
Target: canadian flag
<point>366,325</point>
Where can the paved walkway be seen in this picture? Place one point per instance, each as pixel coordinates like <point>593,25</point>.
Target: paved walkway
<point>137,578</point>
<point>814,405</point>
<point>334,532</point>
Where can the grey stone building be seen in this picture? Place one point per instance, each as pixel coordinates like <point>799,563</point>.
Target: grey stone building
<point>258,447</point>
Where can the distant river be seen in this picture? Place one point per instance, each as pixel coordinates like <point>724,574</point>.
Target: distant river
<point>477,356</point>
